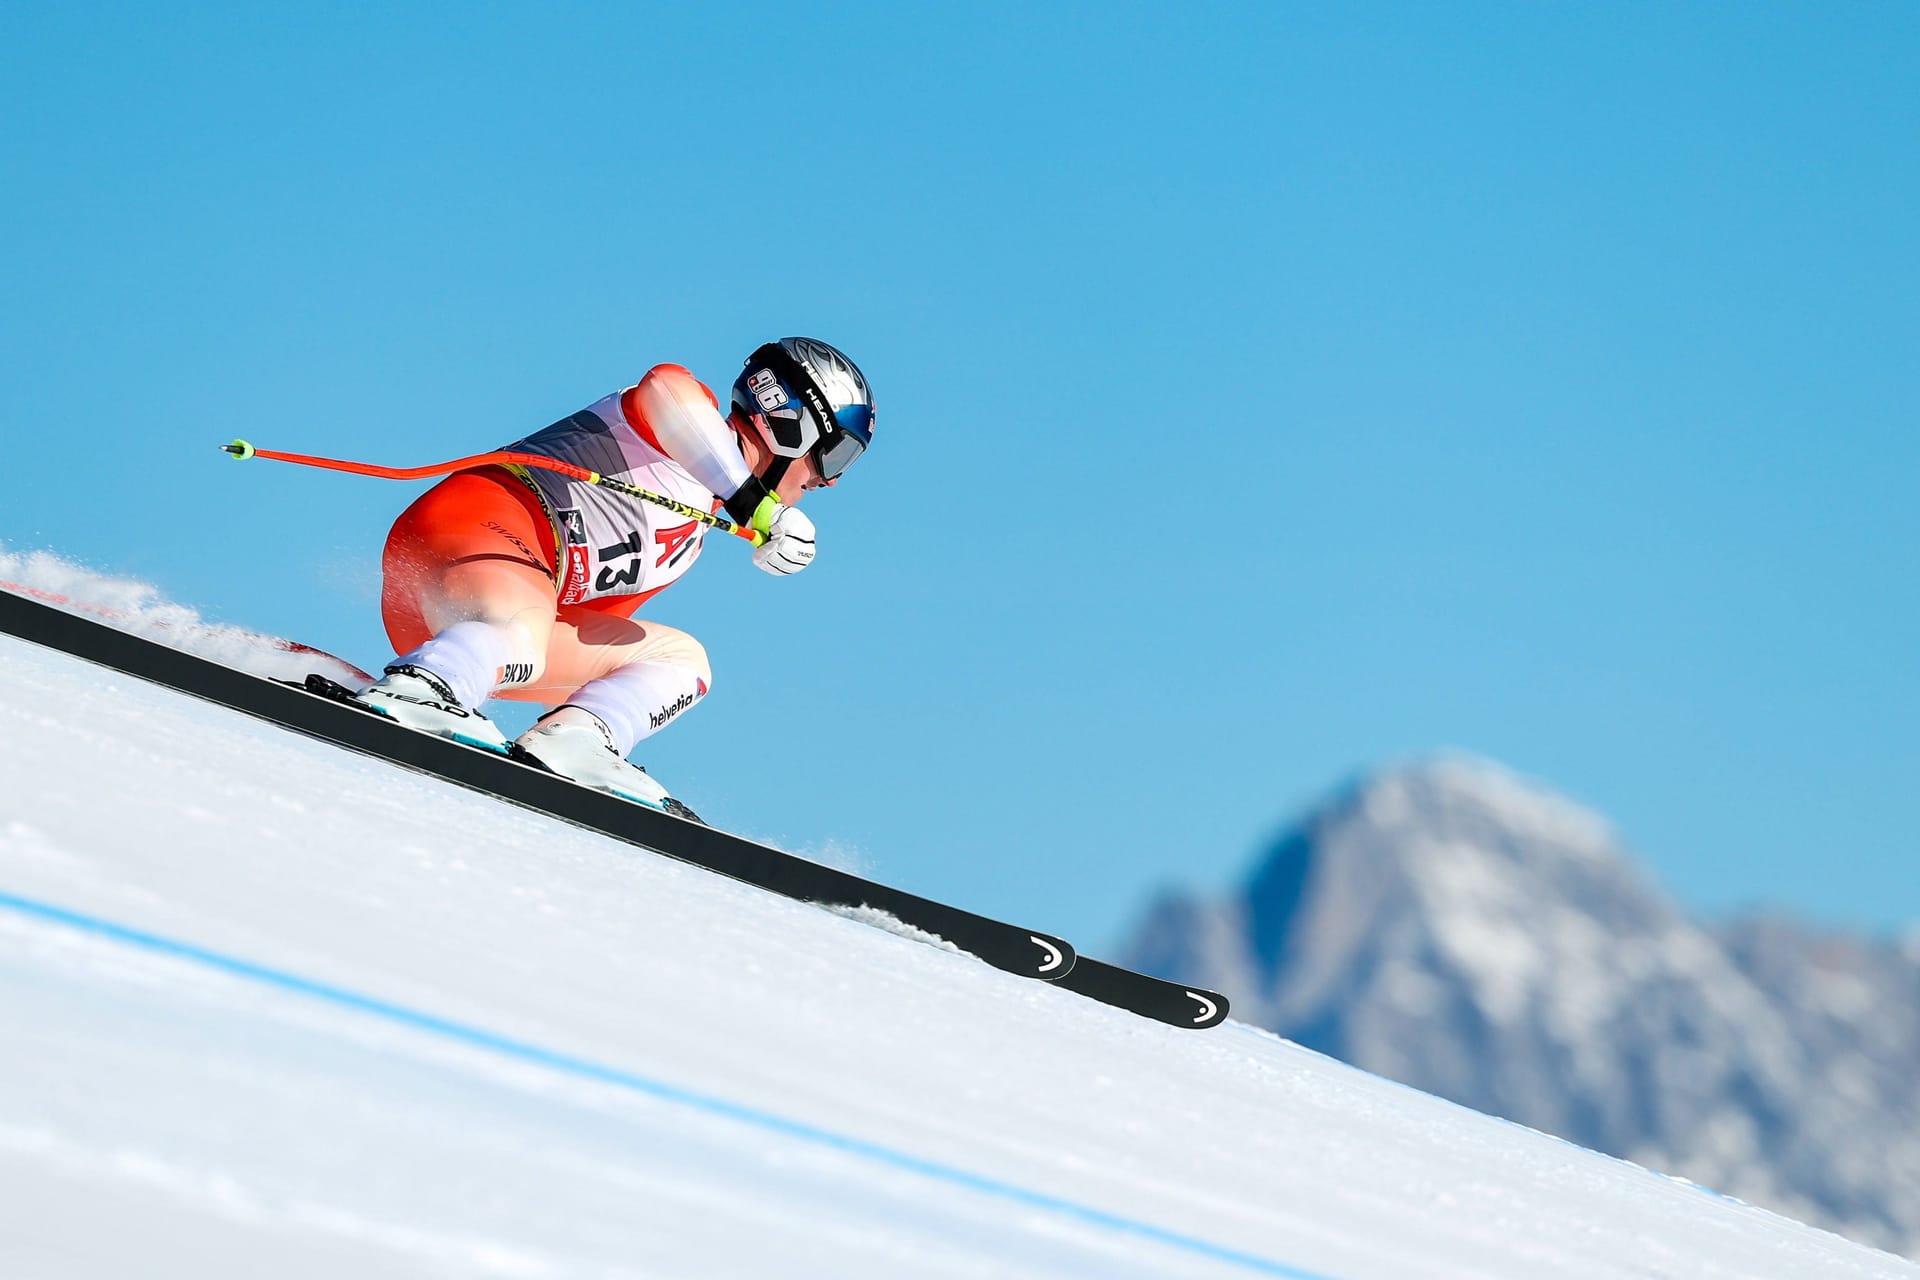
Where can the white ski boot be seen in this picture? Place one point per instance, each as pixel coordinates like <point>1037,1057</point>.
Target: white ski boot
<point>576,744</point>
<point>421,700</point>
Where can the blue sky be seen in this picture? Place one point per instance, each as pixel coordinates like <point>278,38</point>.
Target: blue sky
<point>1266,391</point>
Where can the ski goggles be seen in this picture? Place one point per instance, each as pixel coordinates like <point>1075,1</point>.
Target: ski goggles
<point>837,450</point>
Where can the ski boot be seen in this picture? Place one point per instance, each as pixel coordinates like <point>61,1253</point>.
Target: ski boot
<point>576,744</point>
<point>421,700</point>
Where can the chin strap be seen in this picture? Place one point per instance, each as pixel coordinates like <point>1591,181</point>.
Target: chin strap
<point>776,472</point>
<point>747,499</point>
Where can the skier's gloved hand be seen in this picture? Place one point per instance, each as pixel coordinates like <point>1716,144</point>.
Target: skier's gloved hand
<point>789,545</point>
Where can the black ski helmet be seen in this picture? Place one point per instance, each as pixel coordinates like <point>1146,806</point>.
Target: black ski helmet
<point>806,398</point>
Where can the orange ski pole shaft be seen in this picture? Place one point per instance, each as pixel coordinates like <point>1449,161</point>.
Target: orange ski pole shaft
<point>241,450</point>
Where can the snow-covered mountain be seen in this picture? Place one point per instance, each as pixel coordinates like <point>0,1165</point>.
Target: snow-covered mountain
<point>1474,935</point>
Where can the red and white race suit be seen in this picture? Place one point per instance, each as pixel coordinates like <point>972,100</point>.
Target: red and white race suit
<point>666,434</point>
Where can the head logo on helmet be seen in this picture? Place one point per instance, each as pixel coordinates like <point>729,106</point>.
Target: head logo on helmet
<point>806,399</point>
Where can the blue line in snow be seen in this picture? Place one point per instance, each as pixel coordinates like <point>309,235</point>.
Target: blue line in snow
<point>587,1069</point>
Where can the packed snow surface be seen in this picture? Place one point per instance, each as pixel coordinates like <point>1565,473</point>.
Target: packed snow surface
<point>274,1009</point>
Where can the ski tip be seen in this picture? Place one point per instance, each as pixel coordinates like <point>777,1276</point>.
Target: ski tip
<point>1210,1008</point>
<point>1173,1003</point>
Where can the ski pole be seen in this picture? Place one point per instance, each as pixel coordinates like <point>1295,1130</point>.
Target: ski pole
<point>241,450</point>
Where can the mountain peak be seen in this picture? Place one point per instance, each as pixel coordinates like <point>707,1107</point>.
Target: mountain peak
<point>1452,862</point>
<point>1473,796</point>
<point>1454,925</point>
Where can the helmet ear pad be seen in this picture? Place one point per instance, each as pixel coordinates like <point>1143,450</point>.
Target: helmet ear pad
<point>791,430</point>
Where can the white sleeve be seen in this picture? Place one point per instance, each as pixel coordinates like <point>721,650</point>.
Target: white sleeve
<point>675,413</point>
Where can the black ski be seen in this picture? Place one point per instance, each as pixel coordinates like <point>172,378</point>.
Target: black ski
<point>313,712</point>
<point>1005,946</point>
<point>1149,997</point>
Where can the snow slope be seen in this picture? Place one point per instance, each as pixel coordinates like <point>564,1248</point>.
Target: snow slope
<point>269,1008</point>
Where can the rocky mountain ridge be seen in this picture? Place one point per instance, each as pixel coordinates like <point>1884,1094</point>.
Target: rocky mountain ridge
<point>1473,934</point>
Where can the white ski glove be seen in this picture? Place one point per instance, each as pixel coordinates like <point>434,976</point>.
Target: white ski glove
<point>789,545</point>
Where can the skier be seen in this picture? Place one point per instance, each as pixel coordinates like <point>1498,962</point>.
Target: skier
<point>519,582</point>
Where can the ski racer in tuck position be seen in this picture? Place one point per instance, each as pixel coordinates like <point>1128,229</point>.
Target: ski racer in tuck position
<point>519,582</point>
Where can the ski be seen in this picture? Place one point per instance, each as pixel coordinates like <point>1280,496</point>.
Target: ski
<point>1027,952</point>
<point>315,709</point>
<point>1149,997</point>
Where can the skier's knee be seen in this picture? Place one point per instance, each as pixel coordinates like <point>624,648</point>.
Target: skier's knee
<point>675,648</point>
<point>694,658</point>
